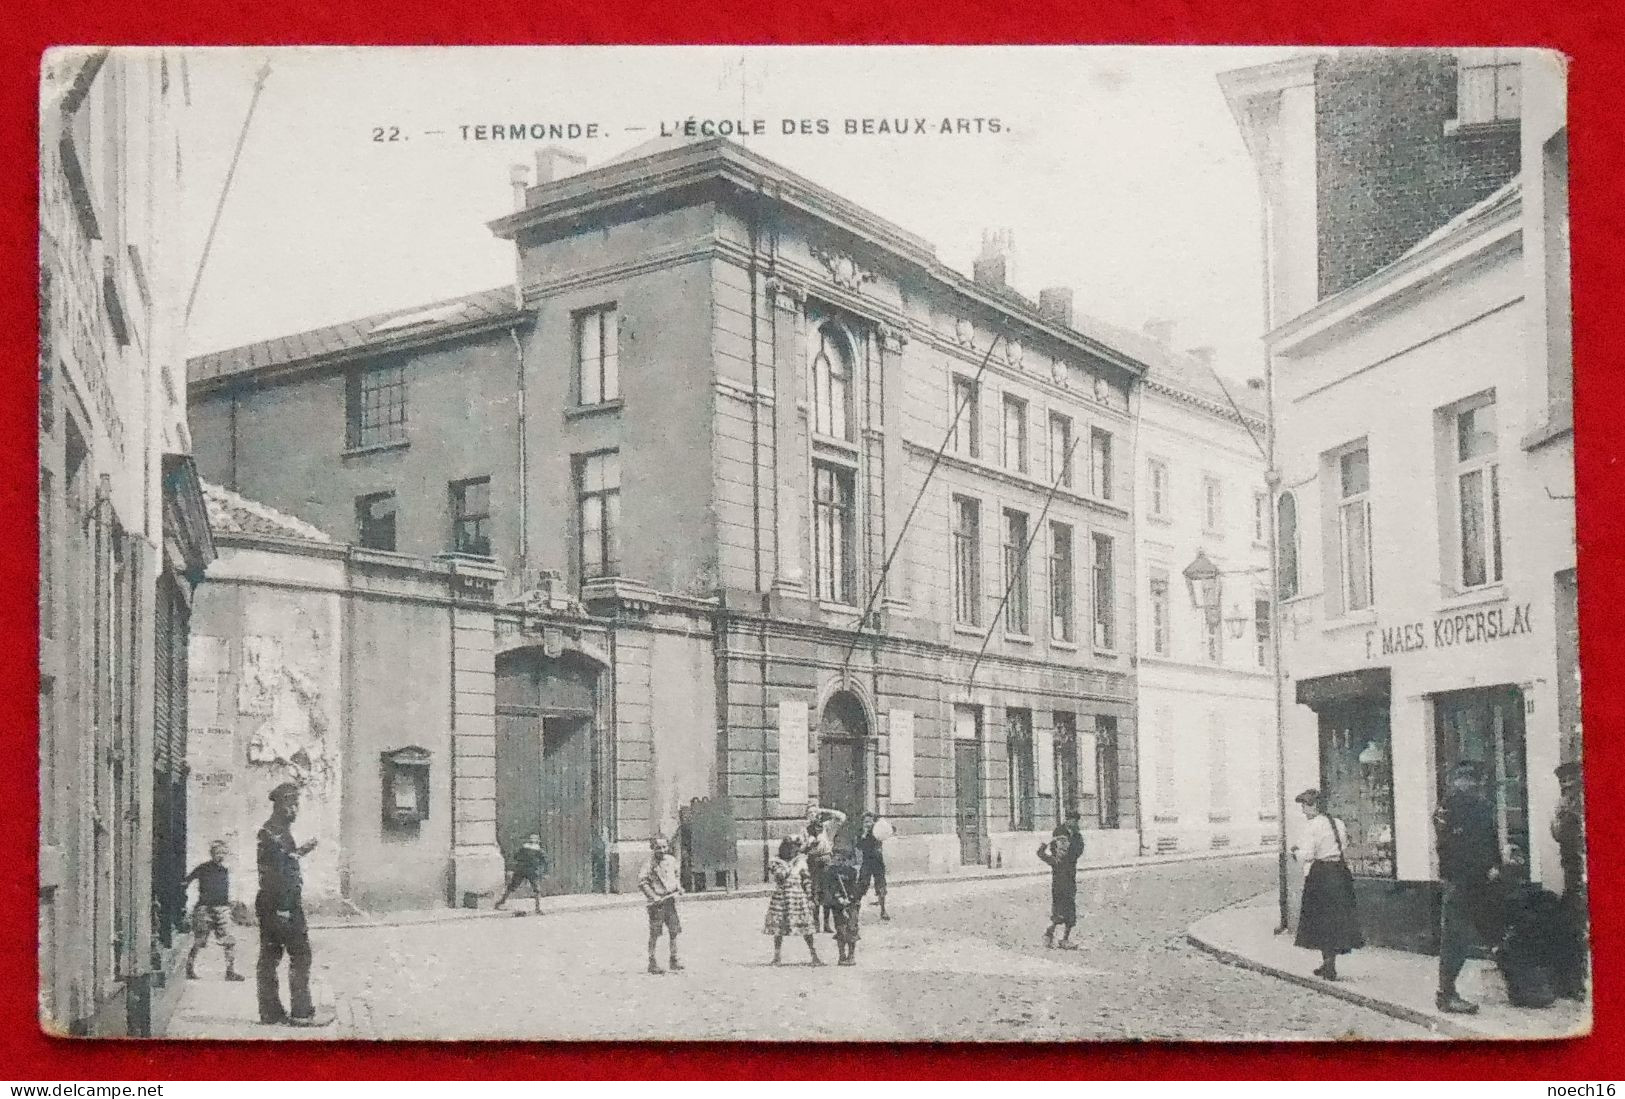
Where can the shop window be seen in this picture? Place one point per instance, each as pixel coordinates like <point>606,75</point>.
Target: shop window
<point>598,370</point>
<point>1356,773</point>
<point>1017,604</point>
<point>966,438</point>
<point>1286,549</point>
<point>375,521</point>
<point>1486,727</point>
<point>1019,741</point>
<point>834,525</point>
<point>832,385</point>
<point>967,561</point>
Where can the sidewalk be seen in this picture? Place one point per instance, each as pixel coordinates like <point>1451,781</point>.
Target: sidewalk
<point>1394,982</point>
<point>587,902</point>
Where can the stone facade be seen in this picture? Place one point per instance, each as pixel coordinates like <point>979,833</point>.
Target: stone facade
<point>722,622</point>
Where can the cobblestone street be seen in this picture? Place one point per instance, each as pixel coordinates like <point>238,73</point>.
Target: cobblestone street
<point>956,961</point>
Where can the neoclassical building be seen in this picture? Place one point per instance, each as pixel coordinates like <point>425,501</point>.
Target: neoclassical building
<point>787,512</point>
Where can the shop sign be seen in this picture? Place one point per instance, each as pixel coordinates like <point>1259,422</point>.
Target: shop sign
<point>1450,631</point>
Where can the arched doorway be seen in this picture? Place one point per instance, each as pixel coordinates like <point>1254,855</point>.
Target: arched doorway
<point>843,740</point>
<point>547,763</point>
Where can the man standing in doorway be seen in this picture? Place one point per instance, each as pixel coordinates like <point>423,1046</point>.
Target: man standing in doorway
<point>280,909</point>
<point>1470,875</point>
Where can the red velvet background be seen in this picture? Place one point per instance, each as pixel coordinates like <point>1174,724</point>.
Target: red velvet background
<point>1583,29</point>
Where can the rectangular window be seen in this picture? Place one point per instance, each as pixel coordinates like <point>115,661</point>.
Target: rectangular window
<point>1060,582</point>
<point>1261,629</point>
<point>966,440</point>
<point>376,406</point>
<point>1159,488</point>
<point>598,371</point>
<point>1015,434</point>
<point>967,562</point>
<point>1019,743</point>
<point>598,514</point>
<point>471,516</point>
<point>1105,594</point>
<point>1161,627</point>
<point>1478,495</point>
<point>1100,463</point>
<point>1212,505</point>
<point>1354,528</point>
<point>1488,93</point>
<point>1261,513</point>
<point>833,530</point>
<point>1016,604</point>
<point>1286,546</point>
<point>1060,450</point>
<point>375,521</point>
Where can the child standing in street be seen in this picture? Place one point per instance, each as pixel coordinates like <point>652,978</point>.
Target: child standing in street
<point>790,909</point>
<point>662,883</point>
<point>845,900</point>
<point>213,912</point>
<point>1062,854</point>
<point>529,865</point>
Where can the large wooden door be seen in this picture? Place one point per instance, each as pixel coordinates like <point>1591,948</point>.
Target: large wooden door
<point>566,782</point>
<point>519,779</point>
<point>968,798</point>
<point>840,784</point>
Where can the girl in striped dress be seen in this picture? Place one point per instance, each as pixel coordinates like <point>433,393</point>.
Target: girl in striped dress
<point>790,910</point>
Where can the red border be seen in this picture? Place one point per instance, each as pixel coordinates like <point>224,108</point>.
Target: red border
<point>1581,28</point>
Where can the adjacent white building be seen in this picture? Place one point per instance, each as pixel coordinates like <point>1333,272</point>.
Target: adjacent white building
<point>1206,683</point>
<point>1419,350</point>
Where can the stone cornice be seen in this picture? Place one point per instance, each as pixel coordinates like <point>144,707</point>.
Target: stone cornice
<point>1028,484</point>
<point>1206,404</point>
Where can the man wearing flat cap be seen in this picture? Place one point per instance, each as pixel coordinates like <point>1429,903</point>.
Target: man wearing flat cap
<point>280,909</point>
<point>1470,875</point>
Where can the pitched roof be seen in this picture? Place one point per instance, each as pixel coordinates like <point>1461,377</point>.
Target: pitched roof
<point>230,513</point>
<point>379,330</point>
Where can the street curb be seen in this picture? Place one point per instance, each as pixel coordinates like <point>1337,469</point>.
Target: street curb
<point>1339,991</point>
<point>630,900</point>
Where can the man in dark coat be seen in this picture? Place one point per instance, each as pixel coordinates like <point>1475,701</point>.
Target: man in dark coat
<point>1568,829</point>
<point>1470,875</point>
<point>279,907</point>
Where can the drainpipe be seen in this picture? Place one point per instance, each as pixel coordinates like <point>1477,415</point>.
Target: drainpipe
<point>518,175</point>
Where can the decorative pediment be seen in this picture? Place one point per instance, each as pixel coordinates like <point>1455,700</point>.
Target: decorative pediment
<point>843,269</point>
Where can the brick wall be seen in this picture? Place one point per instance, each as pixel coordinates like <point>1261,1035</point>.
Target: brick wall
<point>1388,174</point>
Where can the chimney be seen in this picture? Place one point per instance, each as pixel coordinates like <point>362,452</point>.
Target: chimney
<point>1161,331</point>
<point>554,163</point>
<point>1204,355</point>
<point>1055,304</point>
<point>995,266</point>
<point>518,179</point>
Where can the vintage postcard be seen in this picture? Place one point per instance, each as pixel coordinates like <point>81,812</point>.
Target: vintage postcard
<point>885,544</point>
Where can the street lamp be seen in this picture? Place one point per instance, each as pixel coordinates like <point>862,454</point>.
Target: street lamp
<point>1203,584</point>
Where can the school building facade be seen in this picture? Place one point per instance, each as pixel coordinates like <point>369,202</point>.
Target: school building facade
<point>692,442</point>
<point>1425,511</point>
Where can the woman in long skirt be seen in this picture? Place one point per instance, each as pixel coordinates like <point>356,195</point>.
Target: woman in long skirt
<point>1328,921</point>
<point>790,909</point>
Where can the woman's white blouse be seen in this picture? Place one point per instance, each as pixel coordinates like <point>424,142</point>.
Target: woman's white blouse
<point>1319,842</point>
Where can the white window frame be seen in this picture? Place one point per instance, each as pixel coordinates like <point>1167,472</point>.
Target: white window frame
<point>1103,611</point>
<point>604,321</point>
<point>1487,467</point>
<point>1063,597</point>
<point>1015,450</point>
<point>1212,504</point>
<point>1159,597</point>
<point>966,437</point>
<point>1018,603</point>
<point>1159,487</point>
<point>1060,457</point>
<point>1101,463</point>
<point>832,418</point>
<point>1348,505</point>
<point>966,581</point>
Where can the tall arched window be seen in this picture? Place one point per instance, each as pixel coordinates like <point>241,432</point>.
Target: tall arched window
<point>832,385</point>
<point>1286,548</point>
